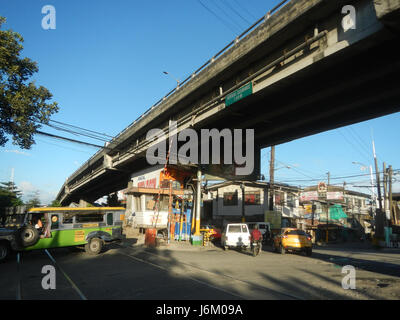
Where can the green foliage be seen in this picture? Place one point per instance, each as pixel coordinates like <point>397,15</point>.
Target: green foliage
<point>55,203</point>
<point>112,200</point>
<point>10,196</point>
<point>34,200</point>
<point>22,105</point>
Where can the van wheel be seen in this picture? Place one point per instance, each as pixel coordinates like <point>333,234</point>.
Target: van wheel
<point>282,249</point>
<point>4,251</point>
<point>308,252</point>
<point>94,246</point>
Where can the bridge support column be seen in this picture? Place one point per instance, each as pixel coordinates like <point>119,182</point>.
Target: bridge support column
<point>83,203</point>
<point>197,238</point>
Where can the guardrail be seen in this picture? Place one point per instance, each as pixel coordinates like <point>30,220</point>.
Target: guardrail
<point>196,72</point>
<point>206,64</point>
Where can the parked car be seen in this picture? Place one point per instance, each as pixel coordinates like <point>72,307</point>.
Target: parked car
<point>214,233</point>
<point>235,235</point>
<point>292,239</point>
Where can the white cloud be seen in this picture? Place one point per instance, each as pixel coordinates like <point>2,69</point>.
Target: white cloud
<point>27,188</point>
<point>18,152</point>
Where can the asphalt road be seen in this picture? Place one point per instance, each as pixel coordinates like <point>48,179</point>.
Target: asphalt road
<point>182,272</point>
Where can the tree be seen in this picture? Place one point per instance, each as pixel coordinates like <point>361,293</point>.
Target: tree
<point>34,200</point>
<point>23,106</point>
<point>55,203</point>
<point>10,196</point>
<point>112,200</point>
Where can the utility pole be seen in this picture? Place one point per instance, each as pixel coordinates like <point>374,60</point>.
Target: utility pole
<point>329,178</point>
<point>385,197</point>
<point>391,194</point>
<point>271,179</point>
<point>378,216</point>
<point>242,186</point>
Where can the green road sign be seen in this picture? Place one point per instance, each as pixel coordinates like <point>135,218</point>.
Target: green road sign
<point>239,94</point>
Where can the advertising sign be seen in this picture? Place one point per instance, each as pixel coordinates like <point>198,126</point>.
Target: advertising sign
<point>308,196</point>
<point>274,218</point>
<point>334,195</point>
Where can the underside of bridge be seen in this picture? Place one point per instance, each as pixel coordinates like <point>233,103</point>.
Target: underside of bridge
<point>354,84</point>
<point>345,89</point>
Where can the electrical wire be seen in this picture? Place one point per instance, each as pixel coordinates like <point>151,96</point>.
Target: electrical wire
<point>230,18</point>
<point>218,17</point>
<point>244,8</point>
<point>236,12</point>
<point>353,145</point>
<point>80,128</point>
<point>335,178</point>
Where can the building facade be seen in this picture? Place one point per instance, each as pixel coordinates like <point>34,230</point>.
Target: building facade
<point>232,201</point>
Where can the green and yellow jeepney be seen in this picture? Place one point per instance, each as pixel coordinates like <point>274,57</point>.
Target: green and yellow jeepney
<point>55,227</point>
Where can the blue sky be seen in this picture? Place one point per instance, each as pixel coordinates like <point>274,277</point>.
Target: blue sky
<point>104,64</point>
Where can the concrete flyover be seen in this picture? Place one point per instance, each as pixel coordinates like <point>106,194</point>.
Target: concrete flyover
<point>313,65</point>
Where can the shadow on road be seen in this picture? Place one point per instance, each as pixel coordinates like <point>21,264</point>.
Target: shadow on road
<point>385,268</point>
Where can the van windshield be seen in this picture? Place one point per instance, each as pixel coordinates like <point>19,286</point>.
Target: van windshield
<point>234,229</point>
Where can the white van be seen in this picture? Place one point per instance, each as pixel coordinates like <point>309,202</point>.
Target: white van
<point>235,235</point>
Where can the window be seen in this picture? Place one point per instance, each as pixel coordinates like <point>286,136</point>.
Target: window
<point>296,232</point>
<point>93,217</point>
<point>68,218</point>
<point>110,219</point>
<point>151,201</point>
<point>230,198</point>
<point>234,229</point>
<point>291,201</point>
<point>138,203</point>
<point>252,198</point>
<point>279,198</point>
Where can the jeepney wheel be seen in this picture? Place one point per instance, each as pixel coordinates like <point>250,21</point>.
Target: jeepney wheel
<point>28,235</point>
<point>94,246</point>
<point>4,251</point>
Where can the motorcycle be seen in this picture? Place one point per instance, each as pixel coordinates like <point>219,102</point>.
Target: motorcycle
<point>256,247</point>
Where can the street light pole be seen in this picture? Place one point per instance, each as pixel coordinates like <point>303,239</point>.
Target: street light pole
<point>177,81</point>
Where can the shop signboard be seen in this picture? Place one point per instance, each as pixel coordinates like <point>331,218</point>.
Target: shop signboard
<point>308,196</point>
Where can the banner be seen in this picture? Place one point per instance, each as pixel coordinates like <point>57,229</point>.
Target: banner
<point>308,196</point>
<point>334,195</point>
<point>274,218</point>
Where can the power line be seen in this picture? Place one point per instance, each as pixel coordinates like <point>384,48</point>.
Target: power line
<point>335,178</point>
<point>218,17</point>
<point>73,126</point>
<point>244,8</point>
<point>61,146</point>
<point>362,144</point>
<point>68,139</point>
<point>236,12</point>
<point>353,145</point>
<point>230,19</point>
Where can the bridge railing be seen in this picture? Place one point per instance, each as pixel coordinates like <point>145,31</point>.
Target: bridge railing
<point>200,69</point>
<point>207,63</point>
